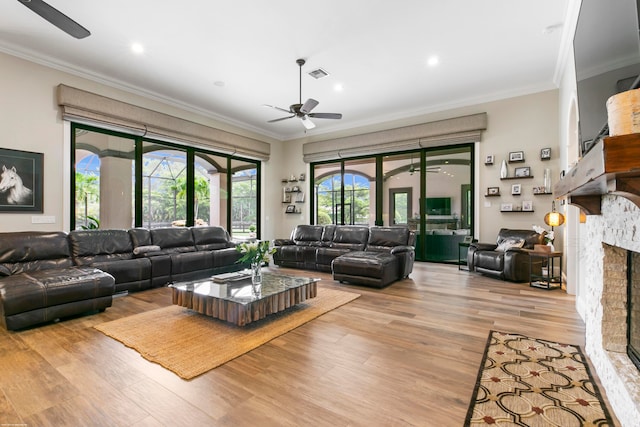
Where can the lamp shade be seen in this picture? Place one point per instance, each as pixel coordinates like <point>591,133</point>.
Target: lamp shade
<point>554,219</point>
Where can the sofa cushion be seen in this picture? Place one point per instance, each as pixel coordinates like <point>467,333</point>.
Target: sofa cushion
<point>210,238</point>
<point>91,246</point>
<point>383,239</point>
<point>174,239</point>
<point>34,250</point>
<point>351,237</point>
<point>308,235</point>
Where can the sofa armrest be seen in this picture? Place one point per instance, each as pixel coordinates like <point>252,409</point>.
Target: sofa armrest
<point>483,246</point>
<point>283,242</point>
<point>401,249</point>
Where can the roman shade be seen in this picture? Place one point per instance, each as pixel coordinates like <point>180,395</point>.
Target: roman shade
<point>86,107</point>
<point>433,134</point>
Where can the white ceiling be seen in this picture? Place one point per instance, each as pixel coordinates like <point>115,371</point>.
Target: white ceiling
<point>226,59</point>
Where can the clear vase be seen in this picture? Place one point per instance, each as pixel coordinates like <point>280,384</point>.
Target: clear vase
<point>256,273</point>
<point>547,181</point>
<point>504,171</point>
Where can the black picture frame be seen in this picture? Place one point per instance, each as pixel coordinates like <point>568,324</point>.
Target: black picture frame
<point>291,208</point>
<point>545,154</point>
<point>516,157</point>
<point>21,180</point>
<point>523,171</point>
<point>493,191</point>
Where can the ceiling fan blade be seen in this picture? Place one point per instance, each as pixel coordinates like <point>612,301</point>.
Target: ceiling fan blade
<point>280,119</point>
<point>277,108</point>
<point>308,105</point>
<point>326,115</point>
<point>307,123</point>
<point>57,18</point>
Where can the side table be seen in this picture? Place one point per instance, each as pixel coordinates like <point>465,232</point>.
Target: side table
<point>463,249</point>
<point>542,269</point>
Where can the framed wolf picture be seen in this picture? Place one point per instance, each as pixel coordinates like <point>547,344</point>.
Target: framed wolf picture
<point>20,181</point>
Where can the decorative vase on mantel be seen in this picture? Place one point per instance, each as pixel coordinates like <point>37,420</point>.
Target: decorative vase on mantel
<point>504,171</point>
<point>256,274</point>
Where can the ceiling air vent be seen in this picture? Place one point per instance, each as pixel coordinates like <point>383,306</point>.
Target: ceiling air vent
<point>318,73</point>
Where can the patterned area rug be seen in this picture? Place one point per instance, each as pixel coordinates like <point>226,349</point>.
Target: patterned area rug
<point>530,382</point>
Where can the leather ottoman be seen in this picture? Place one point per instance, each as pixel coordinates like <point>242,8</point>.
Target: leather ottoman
<point>376,269</point>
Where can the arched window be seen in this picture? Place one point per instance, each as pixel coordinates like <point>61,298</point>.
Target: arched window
<point>356,208</point>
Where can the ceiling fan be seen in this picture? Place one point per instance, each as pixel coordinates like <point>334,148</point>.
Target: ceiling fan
<point>303,111</point>
<point>57,18</point>
<point>429,169</point>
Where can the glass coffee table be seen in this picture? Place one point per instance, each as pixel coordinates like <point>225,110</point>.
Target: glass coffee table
<point>238,301</point>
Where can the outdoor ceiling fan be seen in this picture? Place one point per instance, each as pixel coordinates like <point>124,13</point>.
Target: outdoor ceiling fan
<point>430,169</point>
<point>303,111</point>
<point>57,18</point>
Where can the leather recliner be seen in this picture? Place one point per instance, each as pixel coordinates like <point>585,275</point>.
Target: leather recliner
<point>504,261</point>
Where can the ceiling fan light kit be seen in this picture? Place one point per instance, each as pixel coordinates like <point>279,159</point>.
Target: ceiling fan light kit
<point>303,111</point>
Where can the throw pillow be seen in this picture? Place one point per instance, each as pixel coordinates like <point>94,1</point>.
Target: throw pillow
<point>510,243</point>
<point>144,249</point>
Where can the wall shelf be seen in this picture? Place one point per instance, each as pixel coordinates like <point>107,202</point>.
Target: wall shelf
<point>516,177</point>
<point>520,211</point>
<point>610,167</point>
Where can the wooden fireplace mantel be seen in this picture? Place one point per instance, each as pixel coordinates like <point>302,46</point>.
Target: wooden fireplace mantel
<point>611,167</point>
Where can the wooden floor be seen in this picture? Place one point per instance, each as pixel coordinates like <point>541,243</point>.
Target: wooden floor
<point>405,355</point>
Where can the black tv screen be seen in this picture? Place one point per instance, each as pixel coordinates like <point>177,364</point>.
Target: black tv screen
<point>606,49</point>
<point>438,205</point>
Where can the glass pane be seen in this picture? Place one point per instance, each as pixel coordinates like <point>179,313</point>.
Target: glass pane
<point>401,206</point>
<point>244,199</point>
<point>104,180</point>
<point>359,191</point>
<point>210,190</point>
<point>164,186</point>
<point>327,193</point>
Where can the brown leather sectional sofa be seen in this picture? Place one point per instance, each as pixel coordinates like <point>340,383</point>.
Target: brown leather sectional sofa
<point>370,256</point>
<point>50,275</point>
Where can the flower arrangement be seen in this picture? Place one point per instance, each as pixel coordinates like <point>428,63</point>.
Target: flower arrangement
<point>548,235</point>
<point>255,252</point>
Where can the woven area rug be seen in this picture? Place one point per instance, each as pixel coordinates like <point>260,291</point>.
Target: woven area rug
<point>530,382</point>
<point>190,344</point>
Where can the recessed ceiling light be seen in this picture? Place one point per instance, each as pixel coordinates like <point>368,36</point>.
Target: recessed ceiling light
<point>137,48</point>
<point>338,87</point>
<point>219,83</point>
<point>433,61</point>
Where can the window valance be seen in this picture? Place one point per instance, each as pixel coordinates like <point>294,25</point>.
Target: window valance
<point>433,134</point>
<point>90,108</point>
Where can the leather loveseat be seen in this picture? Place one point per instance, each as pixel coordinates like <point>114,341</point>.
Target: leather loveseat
<point>49,275</point>
<point>372,256</point>
<point>508,258</point>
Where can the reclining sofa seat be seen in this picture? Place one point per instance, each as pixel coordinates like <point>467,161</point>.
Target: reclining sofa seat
<point>111,251</point>
<point>299,251</point>
<point>39,282</point>
<point>502,260</point>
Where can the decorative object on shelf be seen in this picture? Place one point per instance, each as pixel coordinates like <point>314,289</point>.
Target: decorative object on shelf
<point>291,209</point>
<point>523,171</point>
<point>527,205</point>
<point>547,180</point>
<point>493,191</point>
<point>545,154</point>
<point>516,156</point>
<point>540,190</point>
<point>488,160</point>
<point>292,178</point>
<point>256,253</point>
<point>504,171</point>
<point>286,197</point>
<point>516,189</point>
<point>506,207</point>
<point>302,177</point>
<point>300,197</point>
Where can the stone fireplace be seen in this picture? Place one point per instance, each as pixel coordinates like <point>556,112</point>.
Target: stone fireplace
<point>602,300</point>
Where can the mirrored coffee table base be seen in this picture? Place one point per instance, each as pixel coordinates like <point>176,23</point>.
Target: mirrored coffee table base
<point>238,301</point>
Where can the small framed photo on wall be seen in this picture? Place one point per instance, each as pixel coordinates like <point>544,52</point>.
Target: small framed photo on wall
<point>524,171</point>
<point>488,160</point>
<point>493,191</point>
<point>291,209</point>
<point>516,189</point>
<point>506,207</point>
<point>527,205</point>
<point>516,156</point>
<point>545,154</point>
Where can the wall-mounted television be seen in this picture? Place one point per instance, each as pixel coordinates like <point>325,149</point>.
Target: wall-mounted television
<point>438,205</point>
<point>606,48</point>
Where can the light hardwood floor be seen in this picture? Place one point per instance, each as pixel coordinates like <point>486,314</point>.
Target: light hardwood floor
<point>405,355</point>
